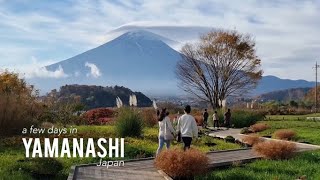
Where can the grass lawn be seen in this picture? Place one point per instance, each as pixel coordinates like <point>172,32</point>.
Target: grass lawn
<point>12,152</point>
<point>307,130</point>
<point>304,164</point>
<point>291,117</point>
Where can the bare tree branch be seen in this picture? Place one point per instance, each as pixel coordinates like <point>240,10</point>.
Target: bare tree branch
<point>222,64</point>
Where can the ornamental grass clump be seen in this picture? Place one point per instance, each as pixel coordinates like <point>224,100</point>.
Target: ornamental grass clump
<point>129,123</point>
<point>275,149</point>
<point>284,134</point>
<point>182,164</point>
<point>259,127</point>
<point>252,140</point>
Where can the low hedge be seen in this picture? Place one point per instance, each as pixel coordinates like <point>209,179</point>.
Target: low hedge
<point>241,118</point>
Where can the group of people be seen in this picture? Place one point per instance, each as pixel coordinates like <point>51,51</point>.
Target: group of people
<point>186,128</point>
<point>215,118</point>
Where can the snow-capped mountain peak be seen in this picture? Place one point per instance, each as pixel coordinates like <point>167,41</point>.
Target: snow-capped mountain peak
<point>138,59</point>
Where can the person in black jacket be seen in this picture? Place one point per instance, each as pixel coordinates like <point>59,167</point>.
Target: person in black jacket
<point>227,119</point>
<point>205,118</point>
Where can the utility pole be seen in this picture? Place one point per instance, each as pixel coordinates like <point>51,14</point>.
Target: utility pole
<point>316,89</point>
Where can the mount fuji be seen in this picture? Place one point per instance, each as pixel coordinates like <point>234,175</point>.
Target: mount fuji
<point>139,60</point>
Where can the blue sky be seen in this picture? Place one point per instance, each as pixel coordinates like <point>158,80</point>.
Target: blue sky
<point>34,33</point>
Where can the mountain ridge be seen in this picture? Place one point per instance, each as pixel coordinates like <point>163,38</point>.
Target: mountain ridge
<point>295,94</point>
<point>271,83</point>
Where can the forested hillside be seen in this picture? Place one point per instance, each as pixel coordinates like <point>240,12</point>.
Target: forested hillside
<point>98,96</point>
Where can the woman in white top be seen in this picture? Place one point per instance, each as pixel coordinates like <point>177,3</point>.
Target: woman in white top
<point>165,130</point>
<point>215,118</point>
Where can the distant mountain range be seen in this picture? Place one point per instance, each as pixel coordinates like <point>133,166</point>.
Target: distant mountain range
<point>286,95</point>
<point>140,60</point>
<point>273,83</point>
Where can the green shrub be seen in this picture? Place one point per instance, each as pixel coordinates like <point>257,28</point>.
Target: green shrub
<point>242,118</point>
<point>129,123</point>
<point>41,168</point>
<point>230,139</point>
<point>136,149</point>
<point>132,152</point>
<point>151,134</point>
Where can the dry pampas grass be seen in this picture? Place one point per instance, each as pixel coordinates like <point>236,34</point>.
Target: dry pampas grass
<point>179,163</point>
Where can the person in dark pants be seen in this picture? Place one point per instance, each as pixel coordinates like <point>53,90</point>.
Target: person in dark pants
<point>188,128</point>
<point>227,119</point>
<point>205,118</point>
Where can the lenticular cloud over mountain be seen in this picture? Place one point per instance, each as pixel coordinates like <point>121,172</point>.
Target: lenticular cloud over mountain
<point>175,35</point>
<point>137,59</point>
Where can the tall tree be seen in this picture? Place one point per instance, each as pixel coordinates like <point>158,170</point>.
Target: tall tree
<point>310,96</point>
<point>19,107</point>
<point>221,64</point>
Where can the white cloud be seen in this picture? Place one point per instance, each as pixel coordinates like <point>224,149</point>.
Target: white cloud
<point>283,29</point>
<point>42,72</point>
<point>36,69</point>
<point>94,70</point>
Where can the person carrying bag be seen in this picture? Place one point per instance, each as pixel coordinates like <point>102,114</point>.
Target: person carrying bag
<point>166,131</point>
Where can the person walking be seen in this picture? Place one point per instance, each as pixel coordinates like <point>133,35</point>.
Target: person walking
<point>205,118</point>
<point>215,118</point>
<point>227,119</point>
<point>166,131</point>
<point>188,128</point>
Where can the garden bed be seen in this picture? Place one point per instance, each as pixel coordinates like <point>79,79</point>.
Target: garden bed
<point>12,150</point>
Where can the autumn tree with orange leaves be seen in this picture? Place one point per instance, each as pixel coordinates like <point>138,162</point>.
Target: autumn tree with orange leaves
<point>18,105</point>
<point>310,96</point>
<point>221,64</point>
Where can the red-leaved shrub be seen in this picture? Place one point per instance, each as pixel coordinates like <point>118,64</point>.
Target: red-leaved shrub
<point>178,163</point>
<point>149,117</point>
<point>199,120</point>
<point>99,116</point>
<point>259,127</point>
<point>284,134</point>
<point>252,139</point>
<point>275,149</point>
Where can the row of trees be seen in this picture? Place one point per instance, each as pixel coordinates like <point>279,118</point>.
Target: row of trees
<point>306,100</point>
